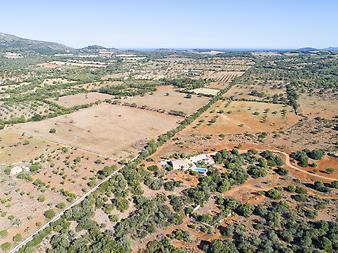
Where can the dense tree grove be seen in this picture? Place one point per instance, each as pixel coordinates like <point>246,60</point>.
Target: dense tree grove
<point>280,229</point>
<point>302,156</point>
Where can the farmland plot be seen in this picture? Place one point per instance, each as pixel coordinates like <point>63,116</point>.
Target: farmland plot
<point>316,106</point>
<point>22,206</point>
<point>25,109</point>
<point>241,117</point>
<point>81,99</point>
<point>110,130</point>
<point>167,99</point>
<point>97,85</point>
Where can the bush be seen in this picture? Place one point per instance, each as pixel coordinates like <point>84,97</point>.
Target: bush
<point>256,172</point>
<point>300,197</point>
<point>61,205</point>
<point>169,186</point>
<point>17,238</point>
<point>52,131</point>
<point>319,186</point>
<point>301,157</point>
<point>41,198</point>
<point>121,204</point>
<point>334,184</point>
<point>330,170</point>
<point>282,171</point>
<point>274,194</point>
<point>35,167</point>
<point>152,168</point>
<point>315,154</point>
<point>49,213</point>
<point>6,246</point>
<point>245,210</point>
<point>181,235</point>
<point>3,233</point>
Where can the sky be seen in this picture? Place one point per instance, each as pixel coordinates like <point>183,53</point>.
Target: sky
<point>174,23</point>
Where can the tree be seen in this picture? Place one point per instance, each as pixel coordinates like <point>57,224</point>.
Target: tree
<point>17,238</point>
<point>3,233</point>
<point>301,157</point>
<point>52,131</point>
<point>334,184</point>
<point>61,205</point>
<point>121,204</point>
<point>274,194</point>
<point>152,168</point>
<point>315,154</point>
<point>245,210</point>
<point>256,171</point>
<point>6,246</point>
<point>282,171</point>
<point>325,244</point>
<point>330,170</point>
<point>176,202</point>
<point>219,246</point>
<point>49,213</point>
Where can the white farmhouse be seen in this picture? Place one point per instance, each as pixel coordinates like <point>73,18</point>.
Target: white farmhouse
<point>181,164</point>
<point>202,158</point>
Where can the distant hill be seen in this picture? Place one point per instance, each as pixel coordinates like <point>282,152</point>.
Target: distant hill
<point>13,43</point>
<point>331,48</point>
<point>97,49</point>
<point>304,49</point>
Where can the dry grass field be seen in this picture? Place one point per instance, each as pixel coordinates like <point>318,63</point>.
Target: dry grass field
<point>166,98</point>
<point>81,99</point>
<point>244,91</point>
<point>97,85</point>
<point>16,148</point>
<point>315,106</point>
<point>242,117</point>
<point>104,129</point>
<point>206,91</point>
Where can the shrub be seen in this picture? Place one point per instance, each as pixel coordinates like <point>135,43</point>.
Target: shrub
<point>256,171</point>
<point>282,171</point>
<point>3,233</point>
<point>6,246</point>
<point>61,205</point>
<point>17,238</point>
<point>274,194</point>
<point>41,198</point>
<point>330,170</point>
<point>52,131</point>
<point>315,154</point>
<point>334,184</point>
<point>35,167</point>
<point>49,213</point>
<point>152,168</point>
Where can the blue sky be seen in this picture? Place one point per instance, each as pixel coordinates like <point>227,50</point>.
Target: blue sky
<point>175,23</point>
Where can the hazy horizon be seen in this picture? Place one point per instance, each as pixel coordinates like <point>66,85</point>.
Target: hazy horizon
<point>146,24</point>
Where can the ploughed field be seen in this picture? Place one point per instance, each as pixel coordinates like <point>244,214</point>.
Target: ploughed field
<point>110,130</point>
<point>166,99</point>
<point>81,99</point>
